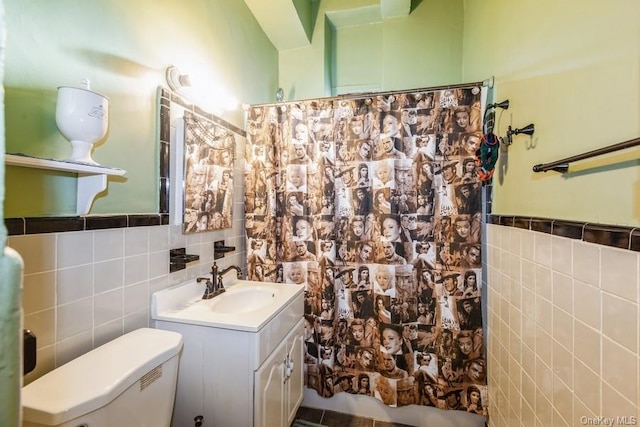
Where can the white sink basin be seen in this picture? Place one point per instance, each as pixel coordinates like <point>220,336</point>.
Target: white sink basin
<point>246,305</point>
<point>244,300</point>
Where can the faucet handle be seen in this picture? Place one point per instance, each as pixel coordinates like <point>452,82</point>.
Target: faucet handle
<point>209,287</point>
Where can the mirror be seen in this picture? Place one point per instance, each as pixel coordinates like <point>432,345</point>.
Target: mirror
<point>209,150</point>
<point>197,161</point>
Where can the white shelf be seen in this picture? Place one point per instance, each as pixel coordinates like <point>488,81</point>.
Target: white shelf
<point>92,179</point>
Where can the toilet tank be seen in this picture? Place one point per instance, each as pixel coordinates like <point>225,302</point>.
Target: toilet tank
<point>128,381</point>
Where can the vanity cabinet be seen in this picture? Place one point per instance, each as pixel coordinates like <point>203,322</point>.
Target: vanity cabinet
<point>240,378</point>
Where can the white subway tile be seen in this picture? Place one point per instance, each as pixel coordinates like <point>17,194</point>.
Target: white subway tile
<point>107,332</point>
<point>543,282</point>
<point>528,274</point>
<point>43,325</point>
<point>586,345</point>
<point>70,348</point>
<point>562,363</point>
<point>158,264</point>
<point>136,297</point>
<point>619,273</point>
<point>108,307</point>
<point>561,254</point>
<point>39,292</point>
<point>515,241</point>
<point>528,246</point>
<point>543,249</point>
<point>586,385</point>
<point>544,314</point>
<point>108,275</point>
<point>562,403</point>
<point>108,244</point>
<point>136,269</point>
<point>586,262</point>
<point>619,369</point>
<point>159,239</point>
<point>136,241</point>
<point>74,318</point>
<point>157,284</point>
<point>176,238</point>
<point>563,292</point>
<point>615,404</point>
<point>620,321</point>
<point>136,320</point>
<point>587,304</point>
<point>75,248</point>
<point>74,283</point>
<point>558,418</point>
<point>544,349</point>
<point>563,328</point>
<point>544,408</point>
<point>37,251</point>
<point>581,412</point>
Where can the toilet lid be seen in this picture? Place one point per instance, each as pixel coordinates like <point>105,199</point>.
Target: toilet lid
<point>96,378</point>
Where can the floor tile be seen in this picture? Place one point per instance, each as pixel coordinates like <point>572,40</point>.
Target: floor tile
<point>309,414</point>
<point>337,419</point>
<point>388,424</point>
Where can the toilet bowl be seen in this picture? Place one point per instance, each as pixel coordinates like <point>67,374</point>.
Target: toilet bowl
<point>130,381</point>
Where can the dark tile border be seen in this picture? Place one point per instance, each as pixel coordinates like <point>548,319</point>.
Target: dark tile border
<point>39,225</point>
<point>53,224</point>
<point>15,226</point>
<point>103,222</point>
<point>602,234</point>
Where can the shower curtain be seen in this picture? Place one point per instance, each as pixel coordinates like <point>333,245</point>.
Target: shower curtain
<point>373,205</point>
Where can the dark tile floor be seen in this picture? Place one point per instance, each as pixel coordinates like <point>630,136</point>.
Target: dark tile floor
<point>338,419</point>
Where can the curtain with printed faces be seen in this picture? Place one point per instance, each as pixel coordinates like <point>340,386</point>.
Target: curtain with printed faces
<point>373,205</point>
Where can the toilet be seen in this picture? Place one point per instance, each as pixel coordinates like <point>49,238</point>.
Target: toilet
<point>130,381</point>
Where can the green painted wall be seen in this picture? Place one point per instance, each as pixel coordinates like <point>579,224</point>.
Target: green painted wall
<point>421,50</point>
<point>573,69</point>
<point>123,47</point>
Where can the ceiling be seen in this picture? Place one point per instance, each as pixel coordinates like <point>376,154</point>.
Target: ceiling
<point>289,23</point>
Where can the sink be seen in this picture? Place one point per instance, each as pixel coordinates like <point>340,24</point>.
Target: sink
<point>243,300</point>
<point>242,359</point>
<point>246,305</point>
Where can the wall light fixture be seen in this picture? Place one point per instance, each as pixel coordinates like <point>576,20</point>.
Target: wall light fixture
<point>175,80</point>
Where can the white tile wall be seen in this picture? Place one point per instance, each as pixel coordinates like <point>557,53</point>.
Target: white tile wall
<point>83,289</point>
<point>564,349</point>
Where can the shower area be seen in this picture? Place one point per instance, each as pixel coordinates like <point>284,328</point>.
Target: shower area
<point>373,204</point>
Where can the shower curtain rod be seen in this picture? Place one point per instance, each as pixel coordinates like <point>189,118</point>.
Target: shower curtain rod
<point>562,166</point>
<point>488,83</point>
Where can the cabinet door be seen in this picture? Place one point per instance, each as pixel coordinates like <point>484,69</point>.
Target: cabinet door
<point>294,385</point>
<point>269,390</point>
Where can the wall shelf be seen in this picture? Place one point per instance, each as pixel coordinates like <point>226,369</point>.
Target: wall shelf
<point>92,179</point>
